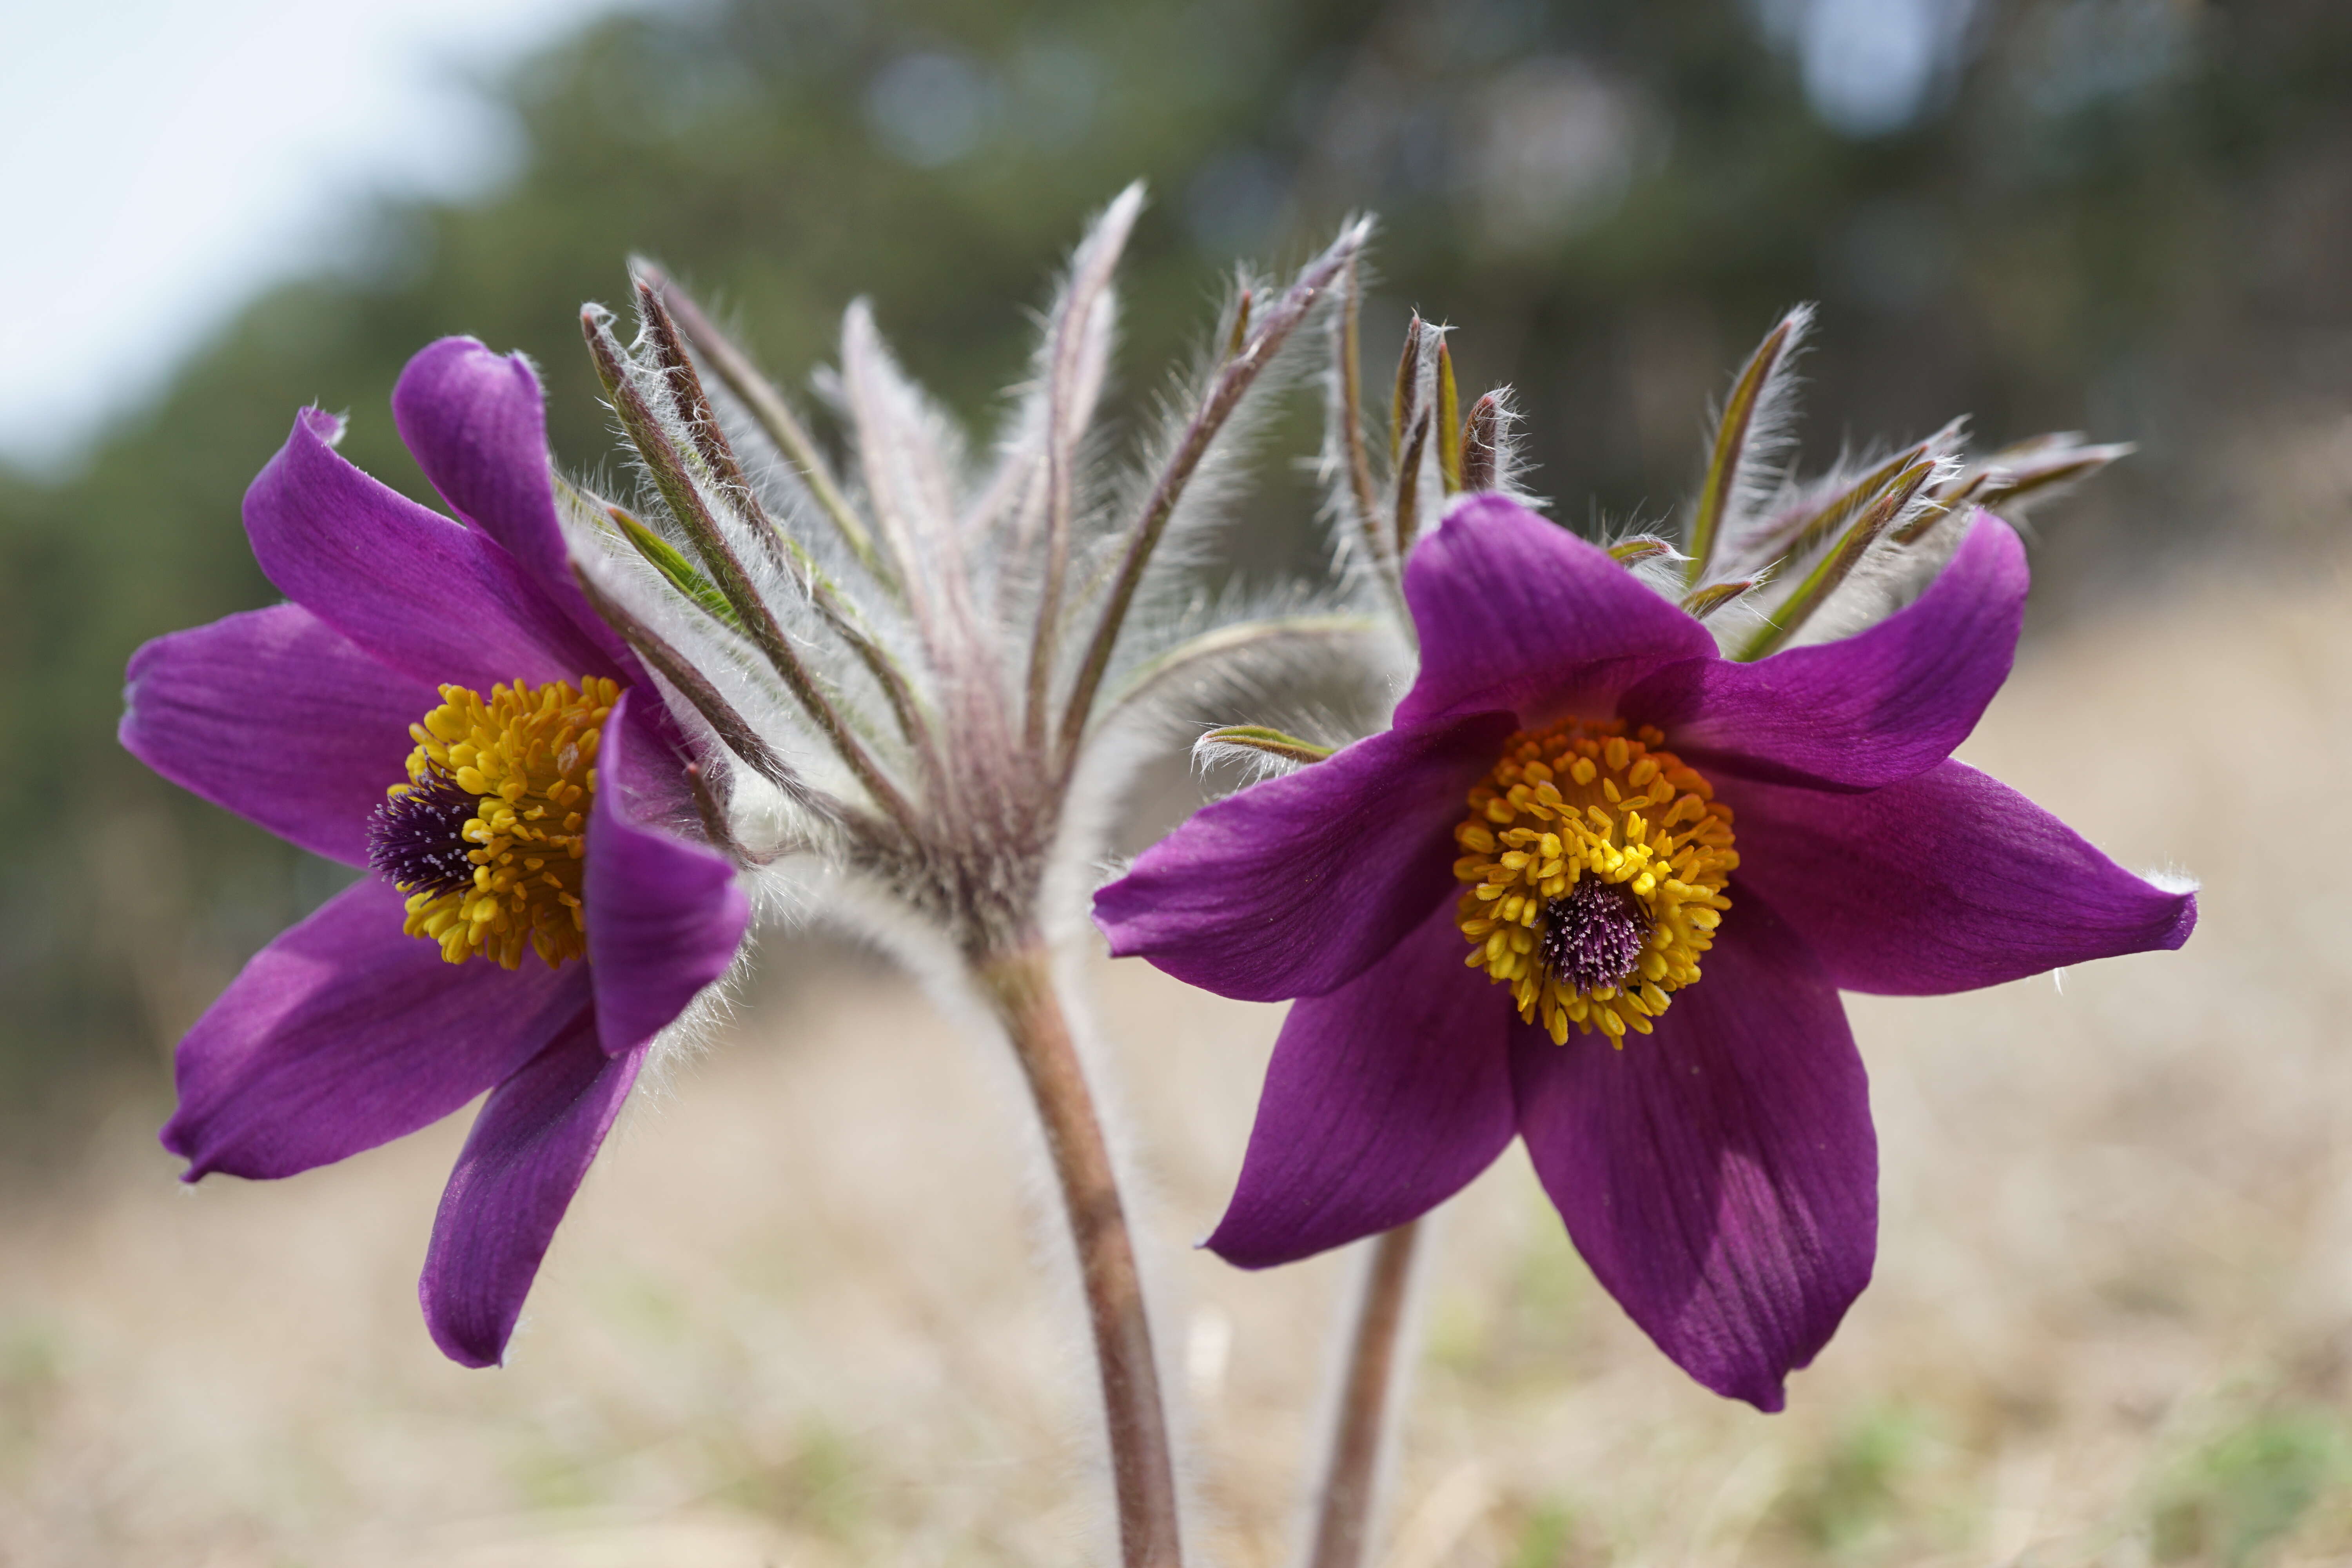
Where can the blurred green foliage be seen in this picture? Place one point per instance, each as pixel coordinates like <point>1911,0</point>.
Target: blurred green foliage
<point>2126,214</point>
<point>1839,1507</point>
<point>2241,1494</point>
<point>1546,1540</point>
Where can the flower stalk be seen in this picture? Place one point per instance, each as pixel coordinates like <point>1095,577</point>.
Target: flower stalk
<point>1019,986</point>
<point>1368,1385</point>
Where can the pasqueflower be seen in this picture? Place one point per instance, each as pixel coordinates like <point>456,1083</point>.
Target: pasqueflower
<point>1598,888</point>
<point>439,706</point>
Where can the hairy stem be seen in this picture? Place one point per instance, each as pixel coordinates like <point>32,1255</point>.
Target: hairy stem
<point>1019,986</point>
<point>1069,405</point>
<point>1837,565</point>
<point>733,729</point>
<point>1218,401</point>
<point>1726,462</point>
<point>668,467</point>
<point>1349,373</point>
<point>767,406</point>
<point>1194,655</point>
<point>1343,1507</point>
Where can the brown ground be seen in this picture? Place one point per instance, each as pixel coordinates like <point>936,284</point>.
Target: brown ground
<point>798,1316</point>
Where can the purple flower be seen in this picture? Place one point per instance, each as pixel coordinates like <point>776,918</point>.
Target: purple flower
<point>437,703</point>
<point>1497,914</point>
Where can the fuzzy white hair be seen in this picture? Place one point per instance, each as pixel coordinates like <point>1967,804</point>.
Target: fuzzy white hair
<point>932,672</point>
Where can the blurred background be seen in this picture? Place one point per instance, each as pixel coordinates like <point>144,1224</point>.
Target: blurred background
<point>2130,217</point>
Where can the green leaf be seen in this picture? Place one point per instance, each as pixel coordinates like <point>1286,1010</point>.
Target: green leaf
<point>1449,422</point>
<point>1838,563</point>
<point>1731,435</point>
<point>1701,603</point>
<point>1641,547</point>
<point>667,561</point>
<point>1272,743</point>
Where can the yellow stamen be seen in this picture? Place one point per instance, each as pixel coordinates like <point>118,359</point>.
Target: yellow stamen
<point>528,755</point>
<point>1581,804</point>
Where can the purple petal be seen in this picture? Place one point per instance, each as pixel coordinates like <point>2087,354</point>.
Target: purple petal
<point>1518,613</point>
<point>476,422</point>
<point>279,718</point>
<point>535,1139</point>
<point>1944,882</point>
<point>431,599</point>
<point>477,425</point>
<point>344,1034</point>
<point>665,916</point>
<point>1292,887</point>
<point>1865,712</point>
<point>1383,1099</point>
<point>1720,1176</point>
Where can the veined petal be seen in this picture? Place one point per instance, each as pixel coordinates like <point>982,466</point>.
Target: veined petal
<point>1869,709</point>
<point>279,718</point>
<point>1944,882</point>
<point>430,598</point>
<point>1292,887</point>
<point>665,916</point>
<point>533,1143</point>
<point>476,422</point>
<point>1383,1099</point>
<point>344,1034</point>
<point>1720,1176</point>
<point>1517,613</point>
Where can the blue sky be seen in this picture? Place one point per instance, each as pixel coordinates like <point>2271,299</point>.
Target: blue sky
<point>162,160</point>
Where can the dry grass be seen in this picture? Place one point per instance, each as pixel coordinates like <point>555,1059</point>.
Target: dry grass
<point>799,1315</point>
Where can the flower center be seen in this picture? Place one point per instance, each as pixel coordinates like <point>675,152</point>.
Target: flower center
<point>488,835</point>
<point>1598,864</point>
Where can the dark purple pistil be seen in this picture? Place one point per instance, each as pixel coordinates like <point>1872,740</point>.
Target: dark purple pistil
<point>1594,936</point>
<point>415,840</point>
